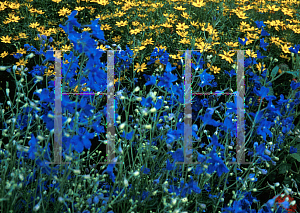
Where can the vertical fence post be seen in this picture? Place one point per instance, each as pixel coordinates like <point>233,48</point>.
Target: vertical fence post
<point>188,110</point>
<point>240,146</point>
<point>58,112</point>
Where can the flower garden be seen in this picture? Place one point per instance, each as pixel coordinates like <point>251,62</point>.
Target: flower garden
<point>55,59</point>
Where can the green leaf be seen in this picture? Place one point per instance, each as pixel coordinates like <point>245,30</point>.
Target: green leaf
<point>283,168</point>
<point>294,73</point>
<point>271,91</point>
<point>274,71</point>
<point>296,156</point>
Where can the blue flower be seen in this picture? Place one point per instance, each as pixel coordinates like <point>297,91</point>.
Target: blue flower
<point>110,168</point>
<point>263,44</point>
<point>97,32</point>
<point>216,164</point>
<point>259,56</point>
<point>243,42</point>
<point>167,79</point>
<point>252,175</point>
<point>293,150</point>
<point>128,135</point>
<point>152,80</point>
<point>259,24</point>
<point>214,142</point>
<point>295,49</point>
<point>260,152</point>
<point>18,55</point>
<point>263,128</point>
<point>264,32</point>
<point>82,140</point>
<point>263,92</point>
<point>231,74</point>
<point>205,79</point>
<point>294,85</point>
<point>207,119</point>
<point>177,155</point>
<point>145,170</point>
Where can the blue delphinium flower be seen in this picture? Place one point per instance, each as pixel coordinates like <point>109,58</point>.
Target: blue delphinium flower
<point>263,44</point>
<point>243,42</point>
<point>217,163</point>
<point>207,118</point>
<point>260,152</point>
<point>295,49</point>
<point>205,79</point>
<point>293,150</point>
<point>110,168</point>
<point>214,142</point>
<point>259,24</point>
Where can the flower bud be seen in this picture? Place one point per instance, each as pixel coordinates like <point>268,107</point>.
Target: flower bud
<point>148,126</point>
<point>122,125</point>
<point>136,89</point>
<point>153,109</point>
<point>136,173</point>
<point>184,200</point>
<point>126,182</point>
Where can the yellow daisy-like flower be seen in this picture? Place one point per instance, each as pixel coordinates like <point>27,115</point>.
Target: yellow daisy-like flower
<point>4,54</point>
<point>21,62</point>
<point>136,31</point>
<point>116,39</point>
<point>13,18</point>
<point>181,26</point>
<point>105,27</point>
<point>64,11</point>
<point>21,51</point>
<point>121,23</point>
<point>227,56</point>
<point>56,1</point>
<point>34,25</point>
<point>199,3</point>
<point>23,35</point>
<point>6,39</point>
<point>140,68</point>
<point>214,69</point>
<point>285,48</point>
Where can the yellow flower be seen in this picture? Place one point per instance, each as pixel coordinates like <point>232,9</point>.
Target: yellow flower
<point>227,56</point>
<point>21,51</point>
<point>116,39</point>
<point>64,11</point>
<point>105,27</point>
<point>79,8</point>
<point>6,39</point>
<point>199,3</point>
<point>13,18</point>
<point>285,48</point>
<point>121,23</point>
<point>34,25</point>
<point>185,41</point>
<point>4,54</point>
<point>180,8</point>
<point>21,62</point>
<point>148,41</point>
<point>260,67</point>
<point>140,68</point>
<point>86,29</point>
<point>136,31</point>
<point>181,26</point>
<point>213,68</point>
<point>56,1</point>
<point>22,35</point>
